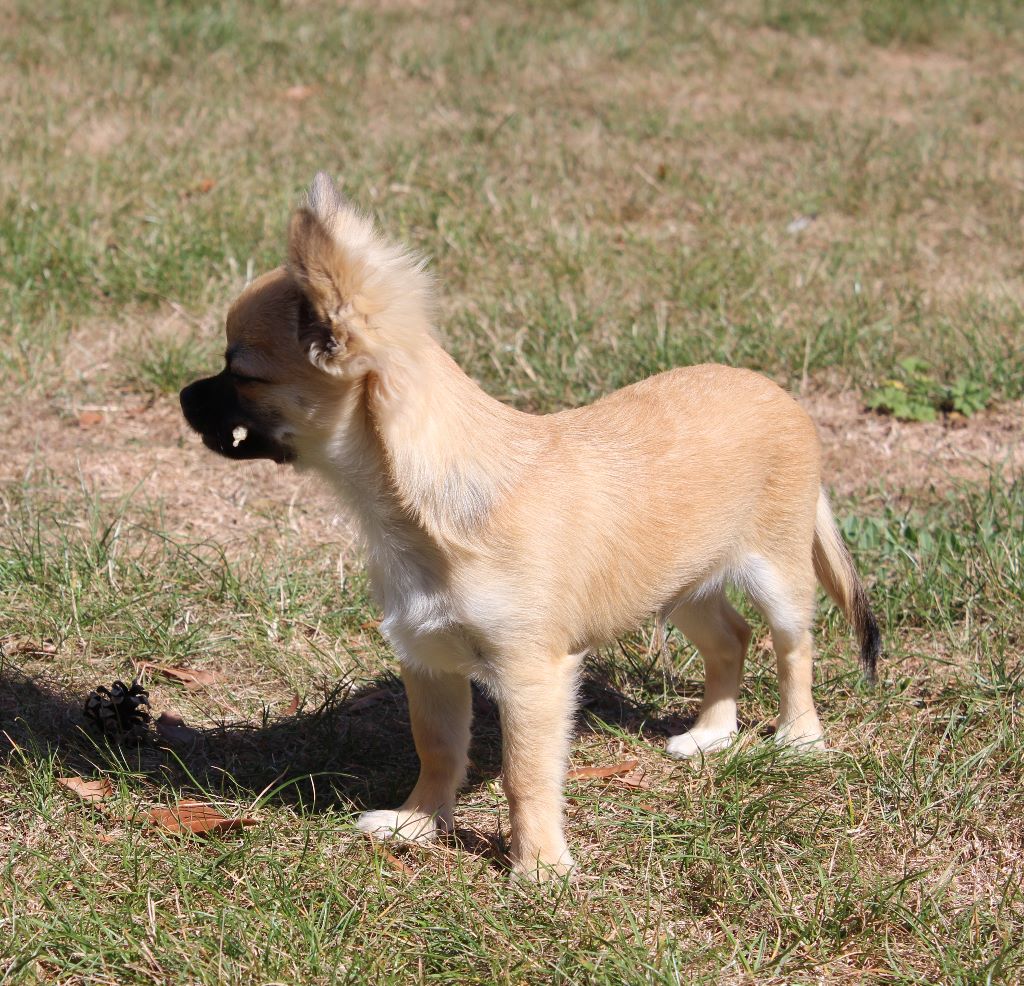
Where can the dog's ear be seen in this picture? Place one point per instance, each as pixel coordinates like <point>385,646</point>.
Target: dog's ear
<point>315,256</point>
<point>366,302</point>
<point>319,338</point>
<point>324,259</point>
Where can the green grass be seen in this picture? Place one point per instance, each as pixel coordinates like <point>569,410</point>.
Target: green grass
<point>890,22</point>
<point>477,132</point>
<point>819,191</point>
<point>788,864</point>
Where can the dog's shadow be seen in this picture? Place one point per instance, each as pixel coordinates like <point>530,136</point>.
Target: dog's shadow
<point>346,749</point>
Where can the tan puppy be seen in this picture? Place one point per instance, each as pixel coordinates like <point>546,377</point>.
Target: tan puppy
<point>503,546</point>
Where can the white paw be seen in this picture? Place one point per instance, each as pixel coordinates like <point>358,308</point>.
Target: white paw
<point>537,869</point>
<point>698,742</point>
<point>808,742</point>
<point>408,826</point>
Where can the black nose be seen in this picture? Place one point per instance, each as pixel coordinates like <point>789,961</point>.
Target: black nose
<point>211,407</point>
<point>208,402</point>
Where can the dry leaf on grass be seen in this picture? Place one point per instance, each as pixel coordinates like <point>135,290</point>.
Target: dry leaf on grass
<point>172,729</point>
<point>12,644</point>
<point>89,419</point>
<point>191,678</point>
<point>298,94</point>
<point>636,779</point>
<point>202,187</point>
<point>369,699</point>
<point>137,410</point>
<point>197,818</point>
<point>581,773</point>
<point>398,864</point>
<point>99,790</point>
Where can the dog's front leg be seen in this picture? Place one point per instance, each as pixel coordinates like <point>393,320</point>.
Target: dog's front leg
<point>537,700</point>
<point>440,709</point>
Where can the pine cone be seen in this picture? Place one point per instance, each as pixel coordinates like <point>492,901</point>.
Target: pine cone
<point>120,712</point>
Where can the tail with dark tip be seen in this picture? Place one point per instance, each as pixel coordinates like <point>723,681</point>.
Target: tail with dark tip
<point>834,569</point>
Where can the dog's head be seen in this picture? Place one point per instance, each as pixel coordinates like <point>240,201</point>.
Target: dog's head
<point>346,308</point>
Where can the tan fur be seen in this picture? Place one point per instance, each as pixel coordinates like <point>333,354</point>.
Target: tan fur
<point>502,546</point>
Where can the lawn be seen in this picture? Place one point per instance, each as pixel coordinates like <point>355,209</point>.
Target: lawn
<point>830,193</point>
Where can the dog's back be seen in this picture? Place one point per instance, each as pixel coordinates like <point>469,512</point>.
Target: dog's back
<point>659,490</point>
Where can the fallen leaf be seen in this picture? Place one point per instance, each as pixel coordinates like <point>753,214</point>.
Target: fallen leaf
<point>201,187</point>
<point>635,779</point>
<point>12,644</point>
<point>89,419</point>
<point>197,818</point>
<point>191,678</point>
<point>626,767</point>
<point>99,790</point>
<point>298,94</point>
<point>370,698</point>
<point>172,728</point>
<point>398,864</point>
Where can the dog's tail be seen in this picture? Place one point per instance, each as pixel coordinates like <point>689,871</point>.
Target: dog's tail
<point>834,569</point>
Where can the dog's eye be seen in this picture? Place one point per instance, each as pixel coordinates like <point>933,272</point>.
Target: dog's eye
<point>243,378</point>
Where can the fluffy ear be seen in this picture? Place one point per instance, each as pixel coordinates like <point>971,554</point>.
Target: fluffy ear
<point>315,256</point>
<point>363,296</point>
<point>327,270</point>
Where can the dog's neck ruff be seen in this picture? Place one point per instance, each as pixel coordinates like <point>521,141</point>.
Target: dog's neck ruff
<point>426,461</point>
<point>444,453</point>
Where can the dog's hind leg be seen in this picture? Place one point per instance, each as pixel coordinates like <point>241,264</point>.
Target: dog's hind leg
<point>784,592</point>
<point>440,710</point>
<point>722,636</point>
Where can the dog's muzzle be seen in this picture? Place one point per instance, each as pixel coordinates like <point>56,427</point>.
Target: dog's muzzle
<point>211,407</point>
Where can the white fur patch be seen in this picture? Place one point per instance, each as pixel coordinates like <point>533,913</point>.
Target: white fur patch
<point>698,742</point>
<point>765,586</point>
<point>406,826</point>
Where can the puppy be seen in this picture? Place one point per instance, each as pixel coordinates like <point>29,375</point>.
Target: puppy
<point>503,546</point>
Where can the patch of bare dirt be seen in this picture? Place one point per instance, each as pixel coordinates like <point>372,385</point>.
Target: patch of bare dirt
<point>98,136</point>
<point>129,447</point>
<point>863,450</point>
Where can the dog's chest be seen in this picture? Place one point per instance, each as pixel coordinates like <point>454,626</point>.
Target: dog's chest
<point>419,620</point>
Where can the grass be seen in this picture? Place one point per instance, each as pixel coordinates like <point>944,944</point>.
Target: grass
<point>818,191</point>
